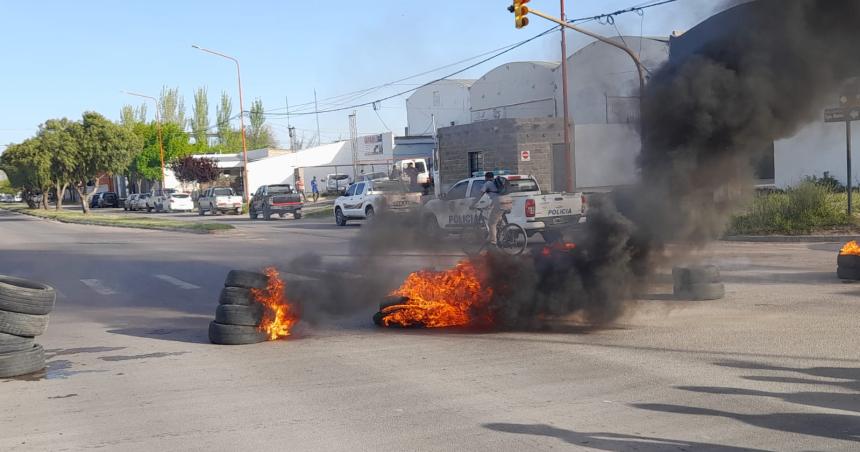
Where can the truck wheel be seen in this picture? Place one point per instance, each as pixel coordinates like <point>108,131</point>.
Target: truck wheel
<point>297,216</point>
<point>200,211</point>
<point>252,214</point>
<point>148,209</point>
<point>369,213</point>
<point>213,210</point>
<point>267,214</point>
<point>339,218</point>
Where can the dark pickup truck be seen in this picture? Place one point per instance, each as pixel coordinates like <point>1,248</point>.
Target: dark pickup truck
<point>271,200</point>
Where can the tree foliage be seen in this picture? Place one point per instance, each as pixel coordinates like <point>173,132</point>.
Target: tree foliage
<point>147,163</point>
<point>260,134</point>
<point>60,138</point>
<point>195,169</point>
<point>223,113</point>
<point>130,115</point>
<point>28,167</point>
<point>172,106</point>
<point>200,121</point>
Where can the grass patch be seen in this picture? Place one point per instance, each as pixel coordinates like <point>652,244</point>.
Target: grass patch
<point>804,209</point>
<point>120,221</point>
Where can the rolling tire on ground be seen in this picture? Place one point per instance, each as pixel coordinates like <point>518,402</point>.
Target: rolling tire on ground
<point>10,343</point>
<point>235,334</point>
<point>339,217</point>
<point>848,261</point>
<point>231,314</point>
<point>849,273</point>
<point>702,292</point>
<point>235,296</point>
<point>23,362</point>
<point>18,324</point>
<point>26,297</point>
<point>247,280</point>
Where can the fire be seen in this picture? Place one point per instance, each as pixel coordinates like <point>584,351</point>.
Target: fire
<point>436,299</point>
<point>279,317</point>
<point>851,248</point>
<point>560,247</point>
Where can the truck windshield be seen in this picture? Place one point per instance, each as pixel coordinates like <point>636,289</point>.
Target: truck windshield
<point>280,189</point>
<point>223,192</point>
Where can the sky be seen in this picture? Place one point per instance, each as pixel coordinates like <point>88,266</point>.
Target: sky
<point>62,58</point>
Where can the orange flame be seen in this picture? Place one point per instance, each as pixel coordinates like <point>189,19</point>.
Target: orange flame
<point>279,316</point>
<point>436,299</point>
<point>851,248</point>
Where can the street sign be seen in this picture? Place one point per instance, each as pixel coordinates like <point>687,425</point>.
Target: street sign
<point>842,114</point>
<point>525,156</point>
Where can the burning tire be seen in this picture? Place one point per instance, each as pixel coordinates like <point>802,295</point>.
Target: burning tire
<point>704,274</point>
<point>235,334</point>
<point>228,314</point>
<point>26,297</point>
<point>235,296</point>
<point>18,324</point>
<point>10,343</point>
<point>392,301</point>
<point>22,362</point>
<point>246,280</point>
<point>848,261</point>
<point>702,292</point>
<point>850,273</point>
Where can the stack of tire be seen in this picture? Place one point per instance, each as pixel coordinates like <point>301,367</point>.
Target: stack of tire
<point>698,283</point>
<point>238,316</point>
<point>848,267</point>
<point>24,309</point>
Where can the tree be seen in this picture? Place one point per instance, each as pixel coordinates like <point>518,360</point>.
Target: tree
<point>102,148</point>
<point>58,137</point>
<point>147,164</point>
<point>200,121</point>
<point>172,107</point>
<point>223,112</point>
<point>129,115</point>
<point>195,169</point>
<point>28,167</point>
<point>260,134</point>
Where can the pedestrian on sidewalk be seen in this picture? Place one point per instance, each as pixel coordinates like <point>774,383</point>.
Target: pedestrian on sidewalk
<point>300,186</point>
<point>315,190</point>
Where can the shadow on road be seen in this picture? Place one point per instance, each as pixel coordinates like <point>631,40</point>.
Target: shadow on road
<point>610,441</point>
<point>187,329</point>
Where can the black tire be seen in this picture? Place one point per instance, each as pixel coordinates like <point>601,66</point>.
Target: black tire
<point>26,297</point>
<point>392,301</point>
<point>369,213</point>
<point>148,209</point>
<point>23,362</point>
<point>849,273</point>
<point>235,296</point>
<point>512,239</point>
<point>848,261</point>
<point>267,214</point>
<point>702,292</point>
<point>213,210</point>
<point>253,214</point>
<point>28,325</point>
<point>339,217</point>
<point>247,280</point>
<point>200,211</point>
<point>10,343</point>
<point>231,314</point>
<point>297,216</point>
<point>235,334</point>
<point>695,274</point>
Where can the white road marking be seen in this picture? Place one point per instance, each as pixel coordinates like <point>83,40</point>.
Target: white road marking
<point>98,287</point>
<point>177,282</point>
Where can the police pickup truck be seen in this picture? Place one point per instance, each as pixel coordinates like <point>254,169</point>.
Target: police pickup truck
<point>367,198</point>
<point>547,214</point>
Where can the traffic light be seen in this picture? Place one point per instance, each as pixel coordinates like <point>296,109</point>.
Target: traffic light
<point>520,11</point>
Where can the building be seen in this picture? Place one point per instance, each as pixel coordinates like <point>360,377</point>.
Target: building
<point>446,101</point>
<point>515,90</point>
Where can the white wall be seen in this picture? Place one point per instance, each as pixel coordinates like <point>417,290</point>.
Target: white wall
<point>447,99</point>
<point>817,148</point>
<point>606,155</point>
<point>515,90</point>
<point>598,70</point>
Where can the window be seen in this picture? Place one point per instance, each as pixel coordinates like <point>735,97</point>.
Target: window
<point>350,191</point>
<point>523,185</point>
<point>359,189</point>
<point>476,189</point>
<point>223,192</point>
<point>437,99</point>
<point>476,162</point>
<point>458,191</point>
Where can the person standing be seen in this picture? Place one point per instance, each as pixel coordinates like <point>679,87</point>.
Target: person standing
<point>300,187</point>
<point>412,172</point>
<point>315,190</point>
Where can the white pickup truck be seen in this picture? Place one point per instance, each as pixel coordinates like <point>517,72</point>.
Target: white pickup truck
<point>547,214</point>
<point>365,199</point>
<point>219,199</point>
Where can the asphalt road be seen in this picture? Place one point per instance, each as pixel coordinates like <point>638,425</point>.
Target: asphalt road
<point>774,366</point>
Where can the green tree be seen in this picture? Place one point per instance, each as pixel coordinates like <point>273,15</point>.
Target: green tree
<point>130,115</point>
<point>223,112</point>
<point>102,148</point>
<point>28,167</point>
<point>147,164</point>
<point>200,121</point>
<point>260,134</point>
<point>172,106</point>
<point>59,138</point>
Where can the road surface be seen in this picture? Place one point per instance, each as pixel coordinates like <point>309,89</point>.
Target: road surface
<point>774,366</point>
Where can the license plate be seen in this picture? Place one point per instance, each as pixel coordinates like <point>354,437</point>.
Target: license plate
<point>400,204</point>
<point>559,220</point>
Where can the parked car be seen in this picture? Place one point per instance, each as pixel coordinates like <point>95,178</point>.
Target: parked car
<point>130,202</point>
<point>275,199</point>
<point>219,199</point>
<point>108,199</point>
<point>363,200</point>
<point>548,214</point>
<point>140,202</point>
<point>337,183</point>
<point>173,202</point>
<point>94,201</point>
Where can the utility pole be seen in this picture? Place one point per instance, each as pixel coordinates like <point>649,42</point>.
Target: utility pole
<point>290,129</point>
<point>569,160</point>
<point>317,110</point>
<point>353,136</point>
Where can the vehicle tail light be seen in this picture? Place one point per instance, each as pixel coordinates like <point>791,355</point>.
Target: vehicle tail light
<point>530,208</point>
<point>584,204</point>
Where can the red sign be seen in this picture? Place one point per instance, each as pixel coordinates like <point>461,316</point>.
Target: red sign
<point>525,156</point>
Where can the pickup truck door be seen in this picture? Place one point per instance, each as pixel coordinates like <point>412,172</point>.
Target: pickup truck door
<point>257,200</point>
<point>456,213</point>
<point>349,200</point>
<point>355,205</point>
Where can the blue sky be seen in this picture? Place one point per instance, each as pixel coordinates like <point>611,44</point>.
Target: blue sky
<point>61,58</point>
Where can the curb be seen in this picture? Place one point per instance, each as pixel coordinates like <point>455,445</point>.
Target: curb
<point>791,238</point>
<point>125,226</point>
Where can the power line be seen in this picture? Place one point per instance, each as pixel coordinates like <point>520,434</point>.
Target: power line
<point>610,17</point>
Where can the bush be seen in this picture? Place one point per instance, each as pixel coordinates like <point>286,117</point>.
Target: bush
<point>828,182</point>
<point>803,209</point>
